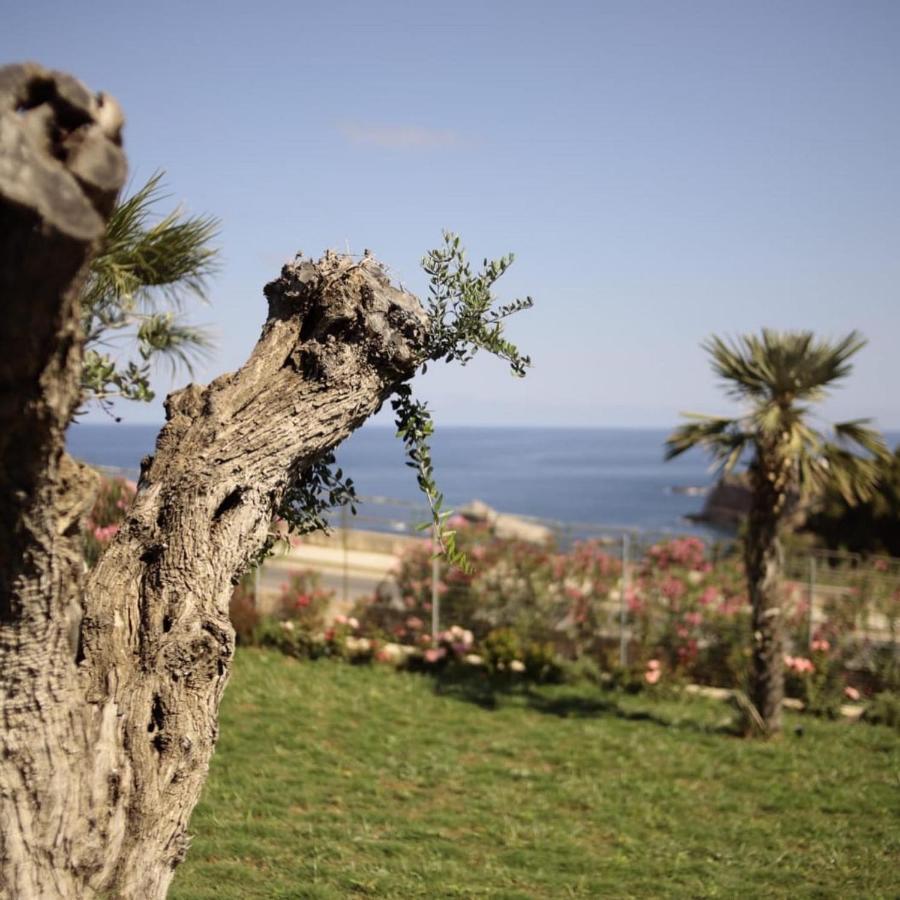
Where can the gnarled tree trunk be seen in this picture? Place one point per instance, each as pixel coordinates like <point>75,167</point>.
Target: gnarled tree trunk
<point>110,683</point>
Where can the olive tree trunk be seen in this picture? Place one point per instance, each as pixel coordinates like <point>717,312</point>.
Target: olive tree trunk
<point>110,683</point>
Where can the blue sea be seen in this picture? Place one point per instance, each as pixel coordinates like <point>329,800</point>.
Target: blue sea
<point>606,476</point>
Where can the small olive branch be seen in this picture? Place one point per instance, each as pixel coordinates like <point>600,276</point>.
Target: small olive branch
<point>307,501</point>
<point>463,318</point>
<point>414,427</point>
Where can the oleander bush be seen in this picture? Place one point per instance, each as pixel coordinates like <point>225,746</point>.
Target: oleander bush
<point>684,605</point>
<point>114,496</point>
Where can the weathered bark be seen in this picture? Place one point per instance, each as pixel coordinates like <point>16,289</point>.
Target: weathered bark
<point>60,170</point>
<point>107,738</point>
<point>762,557</point>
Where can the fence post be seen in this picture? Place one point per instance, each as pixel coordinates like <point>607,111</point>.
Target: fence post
<point>345,574</point>
<point>623,603</point>
<point>812,595</point>
<point>435,577</point>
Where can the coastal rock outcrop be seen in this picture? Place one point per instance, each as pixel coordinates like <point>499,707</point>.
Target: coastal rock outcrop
<point>504,525</point>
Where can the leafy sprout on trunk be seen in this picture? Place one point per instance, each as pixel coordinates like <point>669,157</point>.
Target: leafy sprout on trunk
<point>463,319</point>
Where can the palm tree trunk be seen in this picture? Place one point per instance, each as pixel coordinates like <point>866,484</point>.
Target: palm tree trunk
<point>762,557</point>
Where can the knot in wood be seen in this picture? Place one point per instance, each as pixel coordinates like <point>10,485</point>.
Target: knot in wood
<point>342,302</point>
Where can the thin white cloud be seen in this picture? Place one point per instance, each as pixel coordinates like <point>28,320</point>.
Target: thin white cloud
<point>398,137</point>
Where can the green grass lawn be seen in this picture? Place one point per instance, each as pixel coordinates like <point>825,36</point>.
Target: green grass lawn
<point>338,781</point>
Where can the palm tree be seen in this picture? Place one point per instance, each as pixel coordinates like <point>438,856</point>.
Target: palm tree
<point>777,376</point>
<point>135,292</point>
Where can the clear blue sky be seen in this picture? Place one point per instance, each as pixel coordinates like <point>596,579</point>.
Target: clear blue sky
<point>662,170</point>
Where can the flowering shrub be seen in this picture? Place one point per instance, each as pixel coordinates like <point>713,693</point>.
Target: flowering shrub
<point>532,612</point>
<point>102,523</point>
<point>294,637</point>
<point>297,626</point>
<point>817,680</point>
<point>884,709</point>
<point>452,645</point>
<point>503,651</point>
<point>543,595</point>
<point>684,609</point>
<point>406,615</point>
<point>654,671</point>
<point>285,636</point>
<point>243,613</point>
<point>304,602</point>
<point>688,614</point>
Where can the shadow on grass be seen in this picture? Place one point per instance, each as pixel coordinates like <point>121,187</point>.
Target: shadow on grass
<point>584,702</point>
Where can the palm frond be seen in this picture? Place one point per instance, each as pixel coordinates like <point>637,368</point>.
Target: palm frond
<point>778,375</point>
<point>738,364</point>
<point>858,432</point>
<point>781,366</point>
<point>854,477</point>
<point>136,287</point>
<point>724,438</point>
<point>174,255</point>
<point>165,336</point>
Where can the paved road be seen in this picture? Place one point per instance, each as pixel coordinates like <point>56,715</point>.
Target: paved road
<point>350,575</point>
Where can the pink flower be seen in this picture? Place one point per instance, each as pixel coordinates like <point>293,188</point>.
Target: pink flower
<point>799,664</point>
<point>433,654</point>
<point>633,600</point>
<point>672,587</point>
<point>732,605</point>
<point>303,600</point>
<point>851,693</point>
<point>105,533</point>
<point>708,597</point>
<point>820,646</point>
<point>693,619</point>
<point>414,623</point>
<point>340,620</point>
